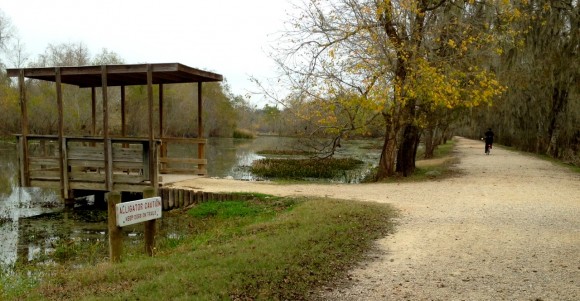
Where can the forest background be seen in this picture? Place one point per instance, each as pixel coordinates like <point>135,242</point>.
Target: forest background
<point>405,72</point>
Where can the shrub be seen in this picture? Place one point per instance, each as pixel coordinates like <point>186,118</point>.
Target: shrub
<point>243,134</point>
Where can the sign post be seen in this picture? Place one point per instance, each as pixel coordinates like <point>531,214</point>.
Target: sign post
<point>146,210</point>
<point>115,233</point>
<point>150,224</point>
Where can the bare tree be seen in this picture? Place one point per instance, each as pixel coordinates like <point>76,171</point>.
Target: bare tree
<point>17,55</point>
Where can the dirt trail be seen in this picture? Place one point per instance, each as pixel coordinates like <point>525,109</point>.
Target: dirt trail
<point>507,228</point>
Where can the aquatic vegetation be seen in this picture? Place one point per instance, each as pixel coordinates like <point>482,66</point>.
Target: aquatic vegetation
<point>303,168</point>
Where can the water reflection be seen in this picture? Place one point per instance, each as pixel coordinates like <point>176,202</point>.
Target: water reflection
<point>16,207</point>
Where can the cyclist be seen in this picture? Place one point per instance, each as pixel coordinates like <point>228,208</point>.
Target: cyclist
<point>488,140</point>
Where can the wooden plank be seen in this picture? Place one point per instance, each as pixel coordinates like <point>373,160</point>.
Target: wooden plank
<point>44,163</point>
<point>195,171</point>
<point>101,186</point>
<point>86,177</point>
<point>45,174</point>
<point>127,154</point>
<point>86,153</point>
<point>87,163</point>
<point>101,164</point>
<point>87,186</point>
<point>131,187</point>
<point>180,140</point>
<point>183,160</point>
<point>45,183</point>
<point>128,159</point>
<point>96,177</point>
<point>128,179</point>
<point>128,165</point>
<point>55,169</point>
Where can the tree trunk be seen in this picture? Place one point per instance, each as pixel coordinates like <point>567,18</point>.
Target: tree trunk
<point>559,102</point>
<point>408,150</point>
<point>388,154</point>
<point>429,143</point>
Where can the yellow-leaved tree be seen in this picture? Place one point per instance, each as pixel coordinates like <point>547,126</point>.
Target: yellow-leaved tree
<point>404,64</point>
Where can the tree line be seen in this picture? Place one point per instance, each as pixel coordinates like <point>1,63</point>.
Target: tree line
<point>540,65</point>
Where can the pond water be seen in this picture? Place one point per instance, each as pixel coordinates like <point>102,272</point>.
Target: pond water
<point>34,223</point>
<point>233,157</point>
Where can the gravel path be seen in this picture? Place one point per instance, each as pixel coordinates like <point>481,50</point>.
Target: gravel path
<point>507,228</point>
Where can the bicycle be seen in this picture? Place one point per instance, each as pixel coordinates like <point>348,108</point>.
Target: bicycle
<point>488,148</point>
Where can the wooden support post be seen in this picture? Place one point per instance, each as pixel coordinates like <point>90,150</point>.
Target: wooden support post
<point>185,198</point>
<point>180,198</point>
<point>171,201</point>
<point>165,198</point>
<point>93,112</point>
<point>63,164</point>
<point>160,110</point>
<point>115,233</point>
<point>163,148</point>
<point>199,197</point>
<point>123,113</point>
<point>23,150</point>
<point>200,130</point>
<point>106,140</point>
<point>153,168</point>
<point>123,116</point>
<point>150,225</point>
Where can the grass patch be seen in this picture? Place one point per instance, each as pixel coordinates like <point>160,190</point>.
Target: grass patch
<point>265,249</point>
<point>302,168</point>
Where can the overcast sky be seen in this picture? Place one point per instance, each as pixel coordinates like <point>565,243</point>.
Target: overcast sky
<point>229,37</point>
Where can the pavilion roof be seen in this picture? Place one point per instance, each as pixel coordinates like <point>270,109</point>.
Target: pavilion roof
<point>119,75</point>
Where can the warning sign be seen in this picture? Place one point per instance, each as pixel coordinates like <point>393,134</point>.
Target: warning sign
<point>138,211</point>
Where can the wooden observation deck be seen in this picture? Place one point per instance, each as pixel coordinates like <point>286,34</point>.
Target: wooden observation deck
<point>77,164</point>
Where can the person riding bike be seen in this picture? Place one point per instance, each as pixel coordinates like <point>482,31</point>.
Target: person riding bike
<point>488,140</point>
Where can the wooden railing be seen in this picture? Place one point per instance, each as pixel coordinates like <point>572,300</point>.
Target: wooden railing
<point>130,167</point>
